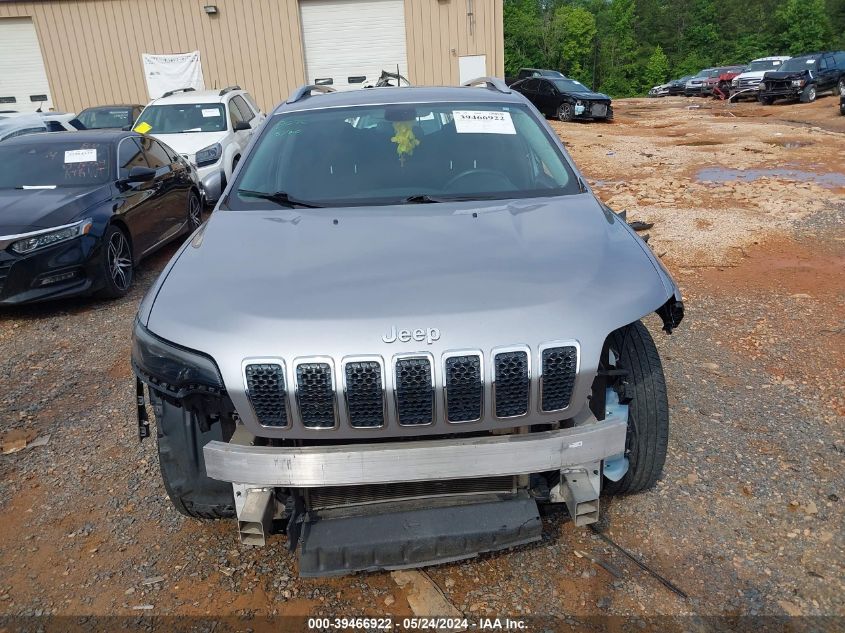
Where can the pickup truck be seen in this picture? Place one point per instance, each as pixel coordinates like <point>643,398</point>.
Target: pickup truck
<point>804,78</point>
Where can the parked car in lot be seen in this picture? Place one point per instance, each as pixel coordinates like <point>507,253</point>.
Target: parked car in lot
<point>804,78</point>
<point>14,124</point>
<point>565,99</point>
<point>718,82</point>
<point>671,88</point>
<point>525,73</point>
<point>108,117</point>
<point>79,210</point>
<point>211,128</point>
<point>694,84</point>
<point>745,84</point>
<point>331,313</point>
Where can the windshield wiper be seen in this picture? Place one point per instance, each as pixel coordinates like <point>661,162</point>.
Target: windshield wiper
<point>280,197</point>
<point>422,198</point>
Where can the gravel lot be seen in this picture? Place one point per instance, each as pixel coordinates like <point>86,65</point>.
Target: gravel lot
<point>748,518</point>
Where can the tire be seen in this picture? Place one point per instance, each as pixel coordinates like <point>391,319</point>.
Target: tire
<point>840,87</point>
<point>648,410</point>
<point>116,263</point>
<point>194,211</point>
<point>767,101</point>
<point>182,465</point>
<point>808,95</point>
<point>565,112</point>
<point>609,117</point>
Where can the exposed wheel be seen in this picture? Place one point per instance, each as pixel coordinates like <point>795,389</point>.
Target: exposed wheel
<point>182,465</point>
<point>194,211</point>
<point>809,94</point>
<point>648,410</point>
<point>565,112</point>
<point>116,264</point>
<point>840,87</point>
<point>609,116</point>
<point>765,100</point>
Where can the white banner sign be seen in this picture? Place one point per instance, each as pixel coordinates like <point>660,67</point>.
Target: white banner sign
<point>171,72</point>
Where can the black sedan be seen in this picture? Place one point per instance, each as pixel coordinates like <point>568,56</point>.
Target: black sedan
<point>565,99</point>
<point>79,210</point>
<point>109,117</point>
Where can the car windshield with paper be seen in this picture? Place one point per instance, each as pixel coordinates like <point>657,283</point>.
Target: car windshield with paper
<point>402,153</point>
<point>49,165</point>
<point>181,118</point>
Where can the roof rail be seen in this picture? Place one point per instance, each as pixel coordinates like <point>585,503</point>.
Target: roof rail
<point>306,91</point>
<point>491,83</point>
<point>229,89</point>
<point>173,92</point>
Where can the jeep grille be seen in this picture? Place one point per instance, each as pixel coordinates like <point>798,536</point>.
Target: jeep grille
<point>558,377</point>
<point>464,388</point>
<point>364,394</point>
<point>414,391</point>
<point>511,383</point>
<point>265,385</point>
<point>315,395</point>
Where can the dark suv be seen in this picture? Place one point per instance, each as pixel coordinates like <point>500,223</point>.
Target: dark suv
<point>805,77</point>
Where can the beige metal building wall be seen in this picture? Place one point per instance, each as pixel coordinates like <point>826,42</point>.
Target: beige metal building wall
<point>92,48</point>
<point>441,31</point>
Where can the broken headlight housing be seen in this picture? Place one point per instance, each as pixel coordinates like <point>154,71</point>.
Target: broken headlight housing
<point>172,369</point>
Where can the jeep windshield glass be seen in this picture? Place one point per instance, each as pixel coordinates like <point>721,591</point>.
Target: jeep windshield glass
<point>179,118</point>
<point>46,164</point>
<point>402,154</point>
<point>797,64</point>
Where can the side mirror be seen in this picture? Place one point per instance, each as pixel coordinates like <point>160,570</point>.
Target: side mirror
<point>241,125</point>
<point>141,174</point>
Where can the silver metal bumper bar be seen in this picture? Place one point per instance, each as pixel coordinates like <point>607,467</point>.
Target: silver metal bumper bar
<point>427,460</point>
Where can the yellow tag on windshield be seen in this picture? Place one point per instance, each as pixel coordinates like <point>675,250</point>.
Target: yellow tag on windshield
<point>143,128</point>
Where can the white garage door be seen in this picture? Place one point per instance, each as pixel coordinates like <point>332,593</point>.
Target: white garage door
<point>348,40</point>
<point>23,80</point>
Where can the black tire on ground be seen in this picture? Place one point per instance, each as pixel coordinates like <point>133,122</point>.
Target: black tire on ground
<point>116,263</point>
<point>609,117</point>
<point>765,100</point>
<point>840,87</point>
<point>648,412</point>
<point>808,95</point>
<point>565,112</point>
<point>182,465</point>
<point>194,211</point>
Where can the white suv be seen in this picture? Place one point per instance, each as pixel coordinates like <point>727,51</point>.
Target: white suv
<point>749,80</point>
<point>211,128</point>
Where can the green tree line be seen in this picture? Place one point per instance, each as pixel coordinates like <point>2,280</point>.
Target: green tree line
<point>624,47</point>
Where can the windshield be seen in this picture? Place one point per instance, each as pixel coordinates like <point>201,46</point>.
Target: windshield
<point>182,117</point>
<point>703,73</point>
<point>798,63</point>
<point>102,118</point>
<point>53,164</point>
<point>771,64</point>
<point>403,153</point>
<point>569,85</point>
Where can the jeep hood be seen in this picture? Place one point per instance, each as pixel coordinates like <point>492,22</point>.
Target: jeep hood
<point>292,282</point>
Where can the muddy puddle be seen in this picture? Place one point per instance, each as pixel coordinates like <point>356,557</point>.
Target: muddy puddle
<point>829,180</point>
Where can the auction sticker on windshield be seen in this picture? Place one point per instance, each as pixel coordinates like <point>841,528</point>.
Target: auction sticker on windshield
<point>80,155</point>
<point>208,113</point>
<point>483,122</point>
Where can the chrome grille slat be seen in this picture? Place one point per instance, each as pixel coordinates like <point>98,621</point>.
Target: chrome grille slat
<point>414,389</point>
<point>265,383</point>
<point>315,395</point>
<point>559,366</point>
<point>464,387</point>
<point>364,393</point>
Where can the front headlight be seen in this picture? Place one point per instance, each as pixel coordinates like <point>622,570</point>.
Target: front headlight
<point>49,237</point>
<point>173,369</point>
<point>797,83</point>
<point>209,155</point>
<point>735,81</point>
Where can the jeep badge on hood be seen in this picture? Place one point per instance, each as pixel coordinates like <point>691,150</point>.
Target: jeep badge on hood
<point>429,335</point>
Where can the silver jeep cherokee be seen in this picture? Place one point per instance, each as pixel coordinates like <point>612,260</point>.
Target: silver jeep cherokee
<point>408,321</point>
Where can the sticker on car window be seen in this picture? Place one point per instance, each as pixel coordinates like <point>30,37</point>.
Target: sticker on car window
<point>483,122</point>
<point>81,156</point>
<point>208,113</point>
<point>143,128</point>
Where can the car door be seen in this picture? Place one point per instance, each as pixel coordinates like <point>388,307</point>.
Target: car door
<point>171,209</point>
<point>827,73</point>
<point>547,97</point>
<point>529,89</point>
<point>240,111</point>
<point>139,200</point>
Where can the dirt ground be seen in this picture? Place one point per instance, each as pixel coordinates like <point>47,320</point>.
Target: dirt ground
<point>748,205</point>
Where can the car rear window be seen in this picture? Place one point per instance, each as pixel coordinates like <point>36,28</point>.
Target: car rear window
<point>102,118</point>
<point>54,164</point>
<point>385,154</point>
<point>181,118</point>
